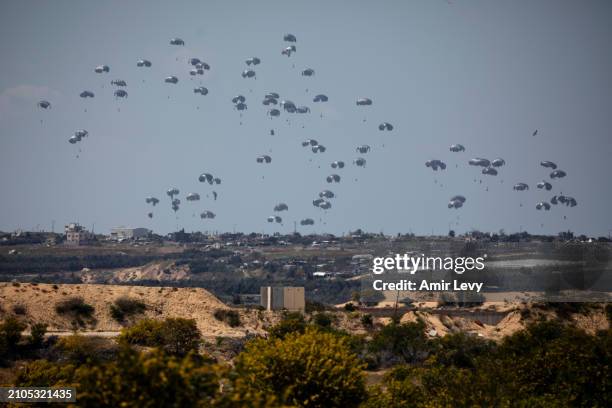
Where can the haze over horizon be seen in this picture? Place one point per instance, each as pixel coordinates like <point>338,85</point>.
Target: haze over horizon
<point>485,74</point>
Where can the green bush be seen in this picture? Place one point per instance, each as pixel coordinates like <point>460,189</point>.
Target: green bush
<point>125,307</point>
<point>367,321</point>
<point>76,309</point>
<point>323,320</point>
<point>349,307</point>
<point>313,369</point>
<point>176,336</point>
<point>20,309</point>
<point>37,334</point>
<point>231,317</point>
<point>400,343</point>
<point>292,322</point>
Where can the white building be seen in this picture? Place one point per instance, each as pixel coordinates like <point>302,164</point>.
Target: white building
<point>76,234</point>
<point>125,233</point>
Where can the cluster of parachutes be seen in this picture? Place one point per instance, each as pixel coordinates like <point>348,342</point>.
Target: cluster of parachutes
<point>275,107</point>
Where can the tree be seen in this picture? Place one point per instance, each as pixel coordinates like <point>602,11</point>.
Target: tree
<point>314,369</point>
<point>177,336</point>
<point>291,323</point>
<point>404,343</point>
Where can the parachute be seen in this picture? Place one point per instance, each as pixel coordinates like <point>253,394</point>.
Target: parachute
<point>363,149</point>
<point>44,104</point>
<point>320,98</point>
<point>498,162</point>
<point>435,164</point>
<point>456,202</point>
<point>241,106</point>
<point>543,205</point>
<point>173,192</point>
<point>457,148</point>
<point>287,51</point>
<point>101,68</point>
<point>364,102</point>
<point>238,99</point>
<point>311,142</point>
<point>207,215</point>
<point>520,187</point>
<point>333,178</point>
<point>544,184</point>
<point>302,109</point>
<point>193,197</point>
<point>272,95</point>
<point>152,200</point>
<point>288,106</point>
<point>269,101</point>
<point>318,202</point>
<point>274,112</point>
<point>562,199</point>
<point>171,80</point>
<point>359,162</point>
<point>177,41</point>
<point>281,207</point>
<point>558,174</point>
<point>206,177</point>
<point>318,149</point>
<point>478,161</point>
<point>275,218</point>
<point>248,73</point>
<point>201,90</point>
<point>119,82</point>
<point>289,38</point>
<point>86,94</point>
<point>338,164</point>
<point>308,72</point>
<point>307,221</point>
<point>143,63</point>
<point>491,171</point>
<point>121,93</point>
<point>253,61</point>
<point>385,126</point>
<point>264,159</point>
<point>326,194</point>
<point>548,164</point>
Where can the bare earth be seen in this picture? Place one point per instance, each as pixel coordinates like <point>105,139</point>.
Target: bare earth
<point>194,303</point>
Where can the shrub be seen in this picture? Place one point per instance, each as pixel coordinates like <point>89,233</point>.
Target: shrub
<point>314,369</point>
<point>175,335</point>
<point>20,309</point>
<point>349,307</point>
<point>323,320</point>
<point>37,334</point>
<point>367,321</point>
<point>231,317</point>
<point>79,349</point>
<point>400,343</point>
<point>74,307</point>
<point>10,333</point>
<point>147,332</point>
<point>291,323</point>
<point>312,306</point>
<point>124,307</point>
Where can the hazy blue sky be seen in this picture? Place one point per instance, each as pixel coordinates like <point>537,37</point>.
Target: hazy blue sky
<point>481,73</point>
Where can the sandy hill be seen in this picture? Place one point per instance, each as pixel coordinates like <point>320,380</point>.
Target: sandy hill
<point>36,303</point>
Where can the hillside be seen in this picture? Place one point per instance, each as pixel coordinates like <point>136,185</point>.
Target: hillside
<point>38,302</point>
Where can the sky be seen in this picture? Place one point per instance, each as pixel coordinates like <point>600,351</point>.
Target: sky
<point>484,74</point>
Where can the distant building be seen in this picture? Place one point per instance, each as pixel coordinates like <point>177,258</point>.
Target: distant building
<point>76,234</point>
<point>278,298</point>
<point>124,233</point>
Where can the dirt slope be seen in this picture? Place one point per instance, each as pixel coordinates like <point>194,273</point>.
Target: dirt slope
<point>39,302</point>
